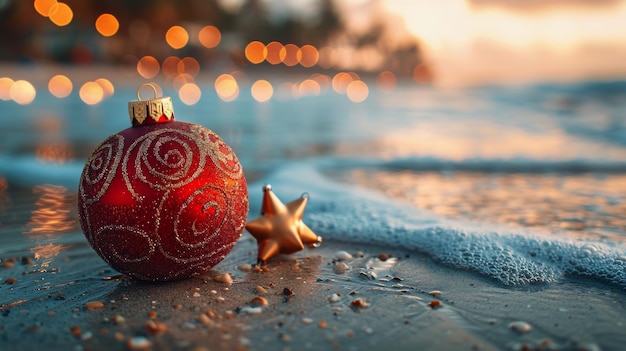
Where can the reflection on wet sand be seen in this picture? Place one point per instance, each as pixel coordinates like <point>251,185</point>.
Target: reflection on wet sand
<point>52,216</point>
<point>583,205</point>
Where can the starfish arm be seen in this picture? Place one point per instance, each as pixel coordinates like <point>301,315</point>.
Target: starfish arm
<point>307,235</point>
<point>296,207</point>
<point>267,250</point>
<point>261,228</point>
<point>272,205</point>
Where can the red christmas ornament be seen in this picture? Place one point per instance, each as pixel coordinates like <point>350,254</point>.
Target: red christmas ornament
<point>162,200</point>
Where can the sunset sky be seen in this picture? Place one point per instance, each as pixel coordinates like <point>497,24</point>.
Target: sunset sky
<point>513,41</point>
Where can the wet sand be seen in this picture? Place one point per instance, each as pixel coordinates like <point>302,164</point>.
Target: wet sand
<point>310,300</point>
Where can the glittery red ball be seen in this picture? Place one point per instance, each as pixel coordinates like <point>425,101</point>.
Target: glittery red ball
<point>163,201</point>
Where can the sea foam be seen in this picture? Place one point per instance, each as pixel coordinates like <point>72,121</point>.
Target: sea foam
<point>511,256</point>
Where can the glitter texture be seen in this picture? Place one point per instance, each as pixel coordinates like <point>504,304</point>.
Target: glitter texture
<point>163,201</point>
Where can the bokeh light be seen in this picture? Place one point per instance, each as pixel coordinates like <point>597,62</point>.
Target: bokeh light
<point>182,79</point>
<point>328,57</point>
<point>189,94</point>
<point>60,86</point>
<point>421,74</point>
<point>290,55</point>
<point>323,81</point>
<point>148,67</point>
<point>91,93</point>
<point>340,82</point>
<point>274,51</point>
<point>357,91</point>
<point>309,56</point>
<point>309,87</point>
<point>170,66</point>
<point>386,81</point>
<point>177,37</point>
<point>262,90</point>
<point>5,88</point>
<point>107,25</point>
<point>43,7</point>
<point>22,92</point>
<point>107,87</point>
<point>61,14</point>
<point>209,36</point>
<point>255,52</point>
<point>189,65</point>
<point>54,152</point>
<point>226,87</point>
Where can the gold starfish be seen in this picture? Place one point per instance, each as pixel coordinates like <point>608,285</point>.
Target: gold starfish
<point>279,229</point>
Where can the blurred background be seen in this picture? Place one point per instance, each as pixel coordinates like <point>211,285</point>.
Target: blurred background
<point>449,43</point>
<point>466,104</point>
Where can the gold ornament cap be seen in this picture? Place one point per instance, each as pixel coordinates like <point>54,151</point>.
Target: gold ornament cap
<point>150,111</point>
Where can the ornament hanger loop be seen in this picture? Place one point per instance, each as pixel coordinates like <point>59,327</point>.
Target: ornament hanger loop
<point>150,111</point>
<point>154,89</point>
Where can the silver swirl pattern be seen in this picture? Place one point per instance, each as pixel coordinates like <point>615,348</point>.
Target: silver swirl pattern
<point>110,241</point>
<point>220,153</point>
<point>163,159</point>
<point>101,168</point>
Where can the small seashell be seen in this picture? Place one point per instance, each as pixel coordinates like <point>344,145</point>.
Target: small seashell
<point>138,343</point>
<point>259,301</point>
<point>334,298</point>
<point>343,256</point>
<point>307,320</point>
<point>435,293</point>
<point>340,267</point>
<point>10,281</point>
<point>383,256</point>
<point>118,319</point>
<point>520,327</point>
<point>196,294</point>
<point>251,310</point>
<point>246,267</point>
<point>260,290</point>
<point>359,303</point>
<point>223,278</point>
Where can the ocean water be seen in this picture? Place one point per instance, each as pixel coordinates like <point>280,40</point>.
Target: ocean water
<point>523,185</point>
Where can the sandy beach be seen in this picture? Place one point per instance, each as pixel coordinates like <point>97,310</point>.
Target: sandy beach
<point>340,296</point>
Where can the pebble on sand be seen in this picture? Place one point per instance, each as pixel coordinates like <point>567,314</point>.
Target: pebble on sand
<point>259,301</point>
<point>260,290</point>
<point>156,327</point>
<point>93,305</point>
<point>359,303</point>
<point>434,304</point>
